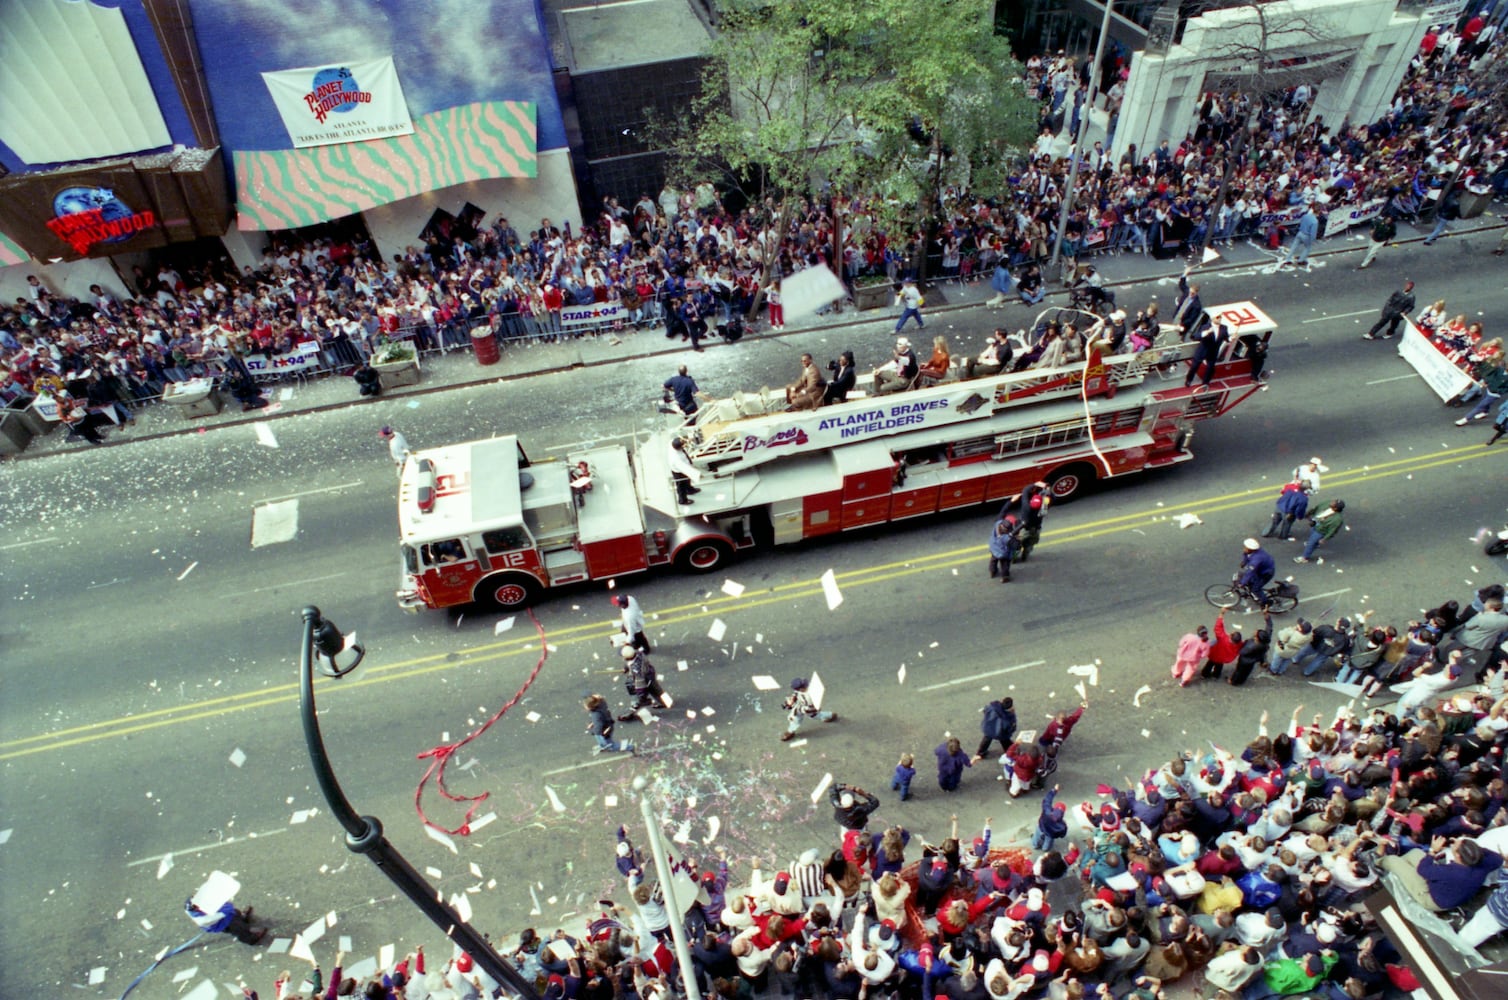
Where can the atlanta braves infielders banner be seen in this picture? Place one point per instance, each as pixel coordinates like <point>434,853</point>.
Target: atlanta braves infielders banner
<point>343,102</point>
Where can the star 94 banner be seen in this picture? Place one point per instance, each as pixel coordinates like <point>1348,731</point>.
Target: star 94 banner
<point>341,102</point>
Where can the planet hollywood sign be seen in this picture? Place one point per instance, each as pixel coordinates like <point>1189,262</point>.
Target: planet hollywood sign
<point>88,216</point>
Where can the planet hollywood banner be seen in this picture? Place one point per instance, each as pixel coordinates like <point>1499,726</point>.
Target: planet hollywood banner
<point>345,102</point>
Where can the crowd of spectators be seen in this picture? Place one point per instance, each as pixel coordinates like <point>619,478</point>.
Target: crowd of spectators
<point>684,260</point>
<point>1237,871</point>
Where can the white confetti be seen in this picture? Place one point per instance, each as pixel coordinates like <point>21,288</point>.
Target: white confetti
<point>830,590</point>
<point>764,682</point>
<point>900,675</point>
<point>555,802</point>
<point>610,801</point>
<point>714,827</point>
<point>187,571</point>
<point>1188,520</point>
<point>164,866</point>
<point>1136,698</point>
<point>682,666</point>
<point>5,834</point>
<point>265,437</point>
<point>186,974</point>
<point>238,756</point>
<point>796,743</point>
<point>433,872</point>
<point>482,821</point>
<point>301,816</point>
<point>1146,734</point>
<point>97,975</point>
<point>462,906</point>
<point>441,837</point>
<point>822,787</point>
<point>533,716</point>
<point>733,589</point>
<point>502,626</point>
<point>709,710</point>
<point>718,630</point>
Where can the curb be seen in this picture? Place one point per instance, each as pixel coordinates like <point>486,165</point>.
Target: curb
<point>768,334</point>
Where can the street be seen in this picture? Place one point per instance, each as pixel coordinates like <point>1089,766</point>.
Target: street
<point>147,642</point>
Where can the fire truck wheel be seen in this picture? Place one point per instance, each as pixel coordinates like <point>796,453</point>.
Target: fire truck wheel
<point>703,555</point>
<point>1069,482</point>
<point>507,591</point>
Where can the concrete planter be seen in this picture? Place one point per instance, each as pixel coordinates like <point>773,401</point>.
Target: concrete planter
<point>874,296</point>
<point>392,374</point>
<point>15,433</point>
<point>193,399</point>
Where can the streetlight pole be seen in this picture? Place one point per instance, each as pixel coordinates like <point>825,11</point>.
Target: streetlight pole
<point>364,833</point>
<point>1078,137</point>
<point>667,883</point>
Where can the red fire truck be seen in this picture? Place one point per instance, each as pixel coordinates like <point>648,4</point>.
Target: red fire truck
<point>481,523</point>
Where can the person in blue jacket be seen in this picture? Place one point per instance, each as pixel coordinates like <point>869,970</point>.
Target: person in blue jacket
<point>1292,505</point>
<point>1257,569</point>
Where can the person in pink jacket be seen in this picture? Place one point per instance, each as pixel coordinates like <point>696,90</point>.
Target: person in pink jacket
<point>1192,649</point>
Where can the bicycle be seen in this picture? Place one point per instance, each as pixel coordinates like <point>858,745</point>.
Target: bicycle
<point>1281,597</point>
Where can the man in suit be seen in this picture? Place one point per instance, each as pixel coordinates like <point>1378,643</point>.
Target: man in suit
<point>1190,311</point>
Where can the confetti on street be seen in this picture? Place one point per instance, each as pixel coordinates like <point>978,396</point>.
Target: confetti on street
<point>718,630</point>
<point>238,756</point>
<point>764,682</point>
<point>1136,698</point>
<point>831,591</point>
<point>502,626</point>
<point>441,837</point>
<point>733,589</point>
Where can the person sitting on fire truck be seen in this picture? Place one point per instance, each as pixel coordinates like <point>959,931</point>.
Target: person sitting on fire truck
<point>900,371</point>
<point>941,360</point>
<point>842,381</point>
<point>806,392</point>
<point>995,357</point>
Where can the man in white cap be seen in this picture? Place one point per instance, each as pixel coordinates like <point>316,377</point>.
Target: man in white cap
<point>1308,475</point>
<point>1257,569</point>
<point>901,370</point>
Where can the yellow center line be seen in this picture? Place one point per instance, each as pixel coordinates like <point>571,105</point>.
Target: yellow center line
<point>577,634</point>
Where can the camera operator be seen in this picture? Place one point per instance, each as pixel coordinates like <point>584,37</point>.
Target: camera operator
<point>842,381</point>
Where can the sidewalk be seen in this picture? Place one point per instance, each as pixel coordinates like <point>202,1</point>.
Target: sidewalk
<point>524,359</point>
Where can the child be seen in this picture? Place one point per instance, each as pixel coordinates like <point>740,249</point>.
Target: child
<point>904,772</point>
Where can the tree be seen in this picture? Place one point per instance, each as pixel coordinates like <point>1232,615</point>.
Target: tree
<point>831,98</point>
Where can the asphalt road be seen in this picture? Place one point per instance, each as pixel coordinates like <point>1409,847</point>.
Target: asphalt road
<point>146,641</point>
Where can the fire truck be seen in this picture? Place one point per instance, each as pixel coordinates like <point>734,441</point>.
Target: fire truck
<point>482,524</point>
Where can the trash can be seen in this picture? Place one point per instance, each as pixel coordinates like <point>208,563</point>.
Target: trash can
<point>484,343</point>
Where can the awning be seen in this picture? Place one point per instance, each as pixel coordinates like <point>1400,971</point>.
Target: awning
<point>288,188</point>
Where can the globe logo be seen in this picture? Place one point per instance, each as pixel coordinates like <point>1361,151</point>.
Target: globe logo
<point>80,200</point>
<point>330,83</point>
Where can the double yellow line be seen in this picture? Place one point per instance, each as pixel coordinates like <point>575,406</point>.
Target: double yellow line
<point>527,642</point>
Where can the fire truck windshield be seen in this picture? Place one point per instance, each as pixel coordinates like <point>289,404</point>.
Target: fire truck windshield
<point>410,558</point>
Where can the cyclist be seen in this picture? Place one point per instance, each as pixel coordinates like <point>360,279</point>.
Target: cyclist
<point>1257,570</point>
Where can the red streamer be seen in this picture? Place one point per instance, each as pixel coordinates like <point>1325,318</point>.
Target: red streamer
<point>439,757</point>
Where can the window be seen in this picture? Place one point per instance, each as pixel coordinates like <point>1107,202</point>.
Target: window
<point>501,540</point>
<point>449,550</point>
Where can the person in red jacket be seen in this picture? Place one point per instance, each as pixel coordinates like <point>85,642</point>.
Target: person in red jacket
<point>1022,762</point>
<point>1061,725</point>
<point>1224,650</point>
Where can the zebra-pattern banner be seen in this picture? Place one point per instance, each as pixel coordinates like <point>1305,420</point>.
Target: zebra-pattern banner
<point>287,188</point>
<point>10,253</point>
